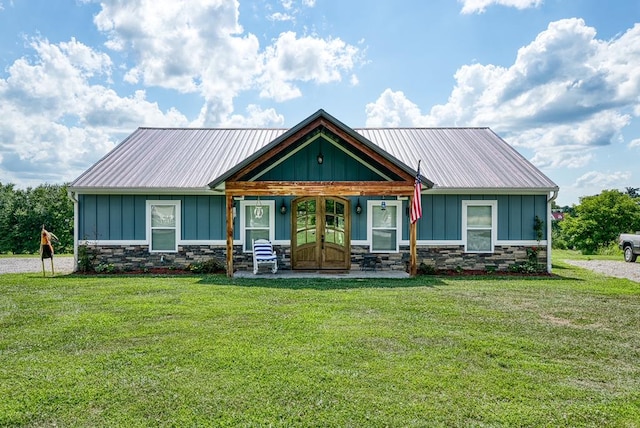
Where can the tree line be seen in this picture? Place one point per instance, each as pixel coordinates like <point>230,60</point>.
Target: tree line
<point>24,211</point>
<point>594,224</point>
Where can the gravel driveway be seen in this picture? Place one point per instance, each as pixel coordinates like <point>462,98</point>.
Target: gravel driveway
<point>610,268</point>
<point>33,264</point>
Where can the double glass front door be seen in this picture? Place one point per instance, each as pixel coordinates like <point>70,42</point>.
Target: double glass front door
<point>320,233</point>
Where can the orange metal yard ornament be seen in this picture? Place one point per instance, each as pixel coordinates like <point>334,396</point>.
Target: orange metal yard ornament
<point>46,248</point>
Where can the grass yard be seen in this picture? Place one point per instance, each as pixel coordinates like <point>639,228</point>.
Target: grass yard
<point>428,351</point>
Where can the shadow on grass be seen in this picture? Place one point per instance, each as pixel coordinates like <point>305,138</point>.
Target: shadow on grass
<point>324,283</point>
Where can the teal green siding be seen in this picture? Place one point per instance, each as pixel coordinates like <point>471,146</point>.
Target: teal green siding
<point>123,217</point>
<point>359,221</point>
<point>113,217</point>
<point>516,215</point>
<point>337,166</point>
<point>283,221</point>
<point>442,216</point>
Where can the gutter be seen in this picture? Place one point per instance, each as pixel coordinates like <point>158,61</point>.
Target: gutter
<point>74,197</point>
<point>552,198</point>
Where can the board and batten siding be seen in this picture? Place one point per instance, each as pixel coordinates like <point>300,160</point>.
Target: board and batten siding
<point>337,166</point>
<point>442,216</point>
<point>123,217</point>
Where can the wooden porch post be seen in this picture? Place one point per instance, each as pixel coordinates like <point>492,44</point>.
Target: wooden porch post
<point>413,263</point>
<point>229,235</point>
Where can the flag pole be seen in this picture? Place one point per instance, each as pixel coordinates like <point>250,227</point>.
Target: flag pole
<point>413,223</point>
<point>413,259</point>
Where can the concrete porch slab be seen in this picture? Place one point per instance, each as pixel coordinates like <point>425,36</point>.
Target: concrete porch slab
<point>350,274</point>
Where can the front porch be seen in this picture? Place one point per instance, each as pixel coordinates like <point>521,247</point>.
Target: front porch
<point>319,167</point>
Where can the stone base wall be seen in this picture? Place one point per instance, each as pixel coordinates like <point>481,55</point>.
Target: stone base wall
<point>132,257</point>
<point>450,257</point>
<point>453,257</point>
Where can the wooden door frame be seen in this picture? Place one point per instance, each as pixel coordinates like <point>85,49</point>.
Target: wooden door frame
<point>320,243</point>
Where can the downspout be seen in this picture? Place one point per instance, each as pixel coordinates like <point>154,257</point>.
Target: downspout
<point>549,217</point>
<point>74,198</point>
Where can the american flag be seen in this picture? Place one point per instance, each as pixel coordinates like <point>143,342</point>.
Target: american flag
<point>416,205</point>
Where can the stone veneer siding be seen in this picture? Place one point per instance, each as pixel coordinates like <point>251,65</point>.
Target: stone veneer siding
<point>131,257</point>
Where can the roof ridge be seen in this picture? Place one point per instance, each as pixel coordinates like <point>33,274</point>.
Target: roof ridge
<point>426,127</point>
<point>187,128</point>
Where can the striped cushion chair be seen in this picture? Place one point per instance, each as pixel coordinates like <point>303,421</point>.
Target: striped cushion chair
<point>263,254</point>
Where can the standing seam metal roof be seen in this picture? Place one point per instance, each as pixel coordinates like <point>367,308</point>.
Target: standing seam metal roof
<point>190,158</point>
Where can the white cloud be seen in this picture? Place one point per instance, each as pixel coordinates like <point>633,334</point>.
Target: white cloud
<point>304,59</point>
<point>601,180</point>
<point>393,109</point>
<point>634,143</point>
<point>480,6</point>
<point>279,16</point>
<point>53,121</point>
<point>256,118</point>
<point>566,94</point>
<point>200,47</point>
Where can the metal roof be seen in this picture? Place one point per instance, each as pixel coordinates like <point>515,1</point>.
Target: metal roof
<point>189,159</point>
<point>461,158</point>
<point>174,158</point>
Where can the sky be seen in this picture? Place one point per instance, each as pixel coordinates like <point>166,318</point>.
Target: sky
<point>559,80</point>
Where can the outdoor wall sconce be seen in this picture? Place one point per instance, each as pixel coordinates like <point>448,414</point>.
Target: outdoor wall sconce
<point>358,207</point>
<point>283,208</point>
<point>383,205</point>
<point>320,158</point>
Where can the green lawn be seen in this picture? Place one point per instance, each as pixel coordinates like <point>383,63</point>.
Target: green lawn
<point>428,351</point>
<point>577,255</point>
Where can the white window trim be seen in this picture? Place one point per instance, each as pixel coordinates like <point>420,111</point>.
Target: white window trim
<point>390,203</point>
<point>178,208</point>
<point>494,222</point>
<point>243,221</point>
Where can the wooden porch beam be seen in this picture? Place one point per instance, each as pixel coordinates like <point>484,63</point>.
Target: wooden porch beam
<point>319,188</point>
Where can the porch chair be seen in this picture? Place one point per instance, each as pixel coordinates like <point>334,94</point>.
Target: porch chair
<point>263,254</point>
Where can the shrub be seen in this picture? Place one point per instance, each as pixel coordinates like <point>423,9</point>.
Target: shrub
<point>86,258</point>
<point>610,250</point>
<point>106,268</point>
<point>207,266</point>
<point>531,265</point>
<point>425,269</point>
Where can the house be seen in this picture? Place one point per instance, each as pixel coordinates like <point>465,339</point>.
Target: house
<point>326,195</point>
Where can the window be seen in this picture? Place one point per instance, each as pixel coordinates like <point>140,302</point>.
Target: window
<point>479,223</point>
<point>256,222</point>
<point>163,218</point>
<point>384,230</point>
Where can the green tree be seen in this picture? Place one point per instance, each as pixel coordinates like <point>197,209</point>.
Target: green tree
<point>599,219</point>
<point>7,197</point>
<point>23,212</point>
